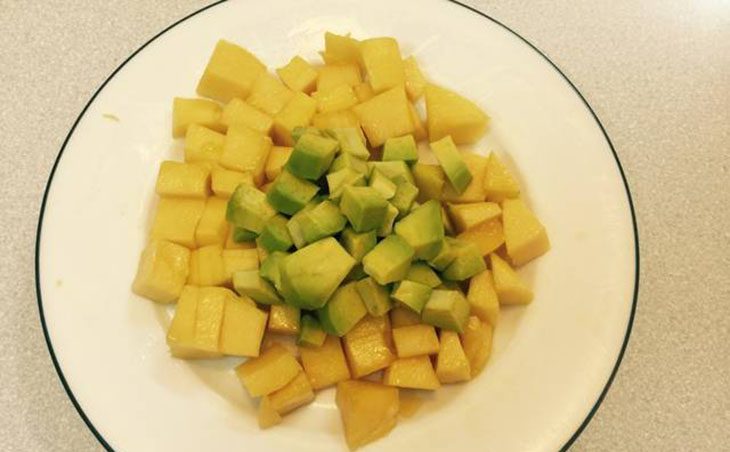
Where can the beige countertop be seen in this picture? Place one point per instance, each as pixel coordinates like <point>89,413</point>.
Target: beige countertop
<point>657,73</point>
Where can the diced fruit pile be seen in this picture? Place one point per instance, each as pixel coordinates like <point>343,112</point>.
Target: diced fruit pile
<point>302,209</point>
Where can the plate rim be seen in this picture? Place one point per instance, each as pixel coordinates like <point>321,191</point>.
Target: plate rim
<point>624,180</point>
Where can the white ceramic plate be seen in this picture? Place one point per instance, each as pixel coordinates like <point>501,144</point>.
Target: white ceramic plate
<point>552,361</point>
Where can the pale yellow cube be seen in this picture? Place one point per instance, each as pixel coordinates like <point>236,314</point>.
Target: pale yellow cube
<point>194,111</point>
<point>224,182</point>
<point>239,260</point>
<point>487,236</point>
<point>337,98</point>
<point>267,417</point>
<point>325,365</point>
<point>524,236</point>
<point>383,64</point>
<point>474,192</point>
<point>510,288</point>
<point>499,183</point>
<point>296,393</point>
<point>243,328</point>
<point>269,95</point>
<point>415,81</point>
<point>278,156</point>
<point>483,298</point>
<point>414,373</point>
<point>176,220</point>
<point>241,113</point>
<point>477,343</point>
<point>185,180</point>
<point>297,113</point>
<point>212,228</point>
<point>246,150</point>
<point>466,216</point>
<point>332,76</point>
<point>181,334</point>
<point>270,371</point>
<point>363,91</point>
<point>339,49</point>
<point>415,340</point>
<point>203,144</point>
<point>231,72</point>
<point>452,364</point>
<point>162,271</point>
<point>336,120</point>
<point>209,319</point>
<point>401,316</point>
<point>206,266</point>
<point>449,113</point>
<point>368,410</point>
<point>368,346</point>
<point>386,115</point>
<point>298,75</point>
<point>284,319</point>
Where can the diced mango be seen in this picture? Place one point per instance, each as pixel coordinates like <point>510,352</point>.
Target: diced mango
<point>333,76</point>
<point>383,64</point>
<point>268,417</point>
<point>363,91</point>
<point>181,334</point>
<point>203,144</point>
<point>466,216</point>
<point>336,120</point>
<point>194,111</point>
<point>296,393</point>
<point>238,112</point>
<point>246,150</point>
<point>231,72</point>
<point>341,49</point>
<point>477,343</point>
<point>206,266</point>
<point>452,364</point>
<point>415,340</point>
<point>430,180</point>
<point>415,82</point>
<point>525,237</point>
<point>224,182</point>
<point>499,183</point>
<point>385,116</point>
<point>338,98</point>
<point>278,156</point>
<point>475,191</point>
<point>298,75</point>
<point>487,236</point>
<point>235,260</point>
<point>183,179</point>
<point>507,283</point>
<point>483,298</point>
<point>413,373</point>
<point>209,319</point>
<point>212,227</point>
<point>162,272</point>
<point>402,316</point>
<point>284,319</point>
<point>176,220</point>
<point>325,365</point>
<point>243,328</point>
<point>297,112</point>
<point>367,346</point>
<point>270,371</point>
<point>269,95</point>
<point>368,410</point>
<point>451,114</point>
<point>419,129</point>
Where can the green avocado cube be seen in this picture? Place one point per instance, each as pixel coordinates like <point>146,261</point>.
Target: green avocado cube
<point>430,180</point>
<point>241,235</point>
<point>294,225</point>
<point>310,332</point>
<point>289,194</point>
<point>310,275</point>
<point>312,156</point>
<point>364,207</point>
<point>389,261</point>
<point>404,197</point>
<point>343,311</point>
<point>423,230</point>
<point>351,141</point>
<point>251,284</point>
<point>397,171</point>
<point>275,236</point>
<point>446,309</point>
<point>324,220</point>
<point>375,297</point>
<point>249,209</point>
<point>412,294</point>
<point>445,257</point>
<point>386,228</point>
<point>467,263</point>
<point>349,161</point>
<point>452,162</point>
<point>358,244</point>
<point>382,184</point>
<point>270,268</point>
<point>346,177</point>
<point>400,148</point>
<point>297,133</point>
<point>422,273</point>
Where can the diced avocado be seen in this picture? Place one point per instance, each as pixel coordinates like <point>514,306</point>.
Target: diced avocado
<point>452,162</point>
<point>324,220</point>
<point>401,148</point>
<point>249,209</point>
<point>445,257</point>
<point>294,225</point>
<point>375,297</point>
<point>446,309</point>
<point>299,131</point>
<point>310,332</point>
<point>404,196</point>
<point>430,181</point>
<point>241,235</point>
<point>351,141</point>
<point>275,236</point>
<point>310,276</point>
<point>358,244</point>
<point>386,228</point>
<point>397,171</point>
<point>349,161</point>
<point>467,263</point>
<point>422,273</point>
<point>251,284</point>
<point>364,207</point>
<point>343,311</point>
<point>270,268</point>
<point>356,274</point>
<point>382,184</point>
<point>412,294</point>
<point>289,194</point>
<point>389,261</point>
<point>312,156</point>
<point>346,177</point>
<point>423,230</point>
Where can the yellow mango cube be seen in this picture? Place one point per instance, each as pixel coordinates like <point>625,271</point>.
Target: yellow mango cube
<point>297,112</point>
<point>209,319</point>
<point>383,64</point>
<point>333,76</point>
<point>452,114</point>
<point>367,346</point>
<point>231,72</point>
<point>224,182</point>
<point>162,271</point>
<point>278,156</point>
<point>176,220</point>
<point>452,364</point>
<point>487,236</point>
<point>206,266</point>
<point>181,334</point>
<point>239,260</point>
<point>474,192</point>
<point>296,393</point>
<point>419,129</point>
<point>499,183</point>
<point>325,365</point>
<point>212,228</point>
<point>269,95</point>
<point>466,216</point>
<point>338,98</point>
<point>368,410</point>
<point>415,340</point>
<point>507,283</point>
<point>415,81</point>
<point>268,417</point>
<point>524,236</point>
<point>363,91</point>
<point>246,150</point>
<point>194,111</point>
<point>386,115</point>
<point>284,319</point>
<point>243,328</point>
<point>335,120</point>
<point>203,144</point>
<point>182,179</point>
<point>233,245</point>
<point>413,373</point>
<point>483,298</point>
<point>238,112</point>
<point>401,316</point>
<point>340,49</point>
<point>298,75</point>
<point>273,369</point>
<point>477,343</point>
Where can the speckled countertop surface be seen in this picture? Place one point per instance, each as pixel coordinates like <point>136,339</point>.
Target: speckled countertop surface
<point>657,73</point>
